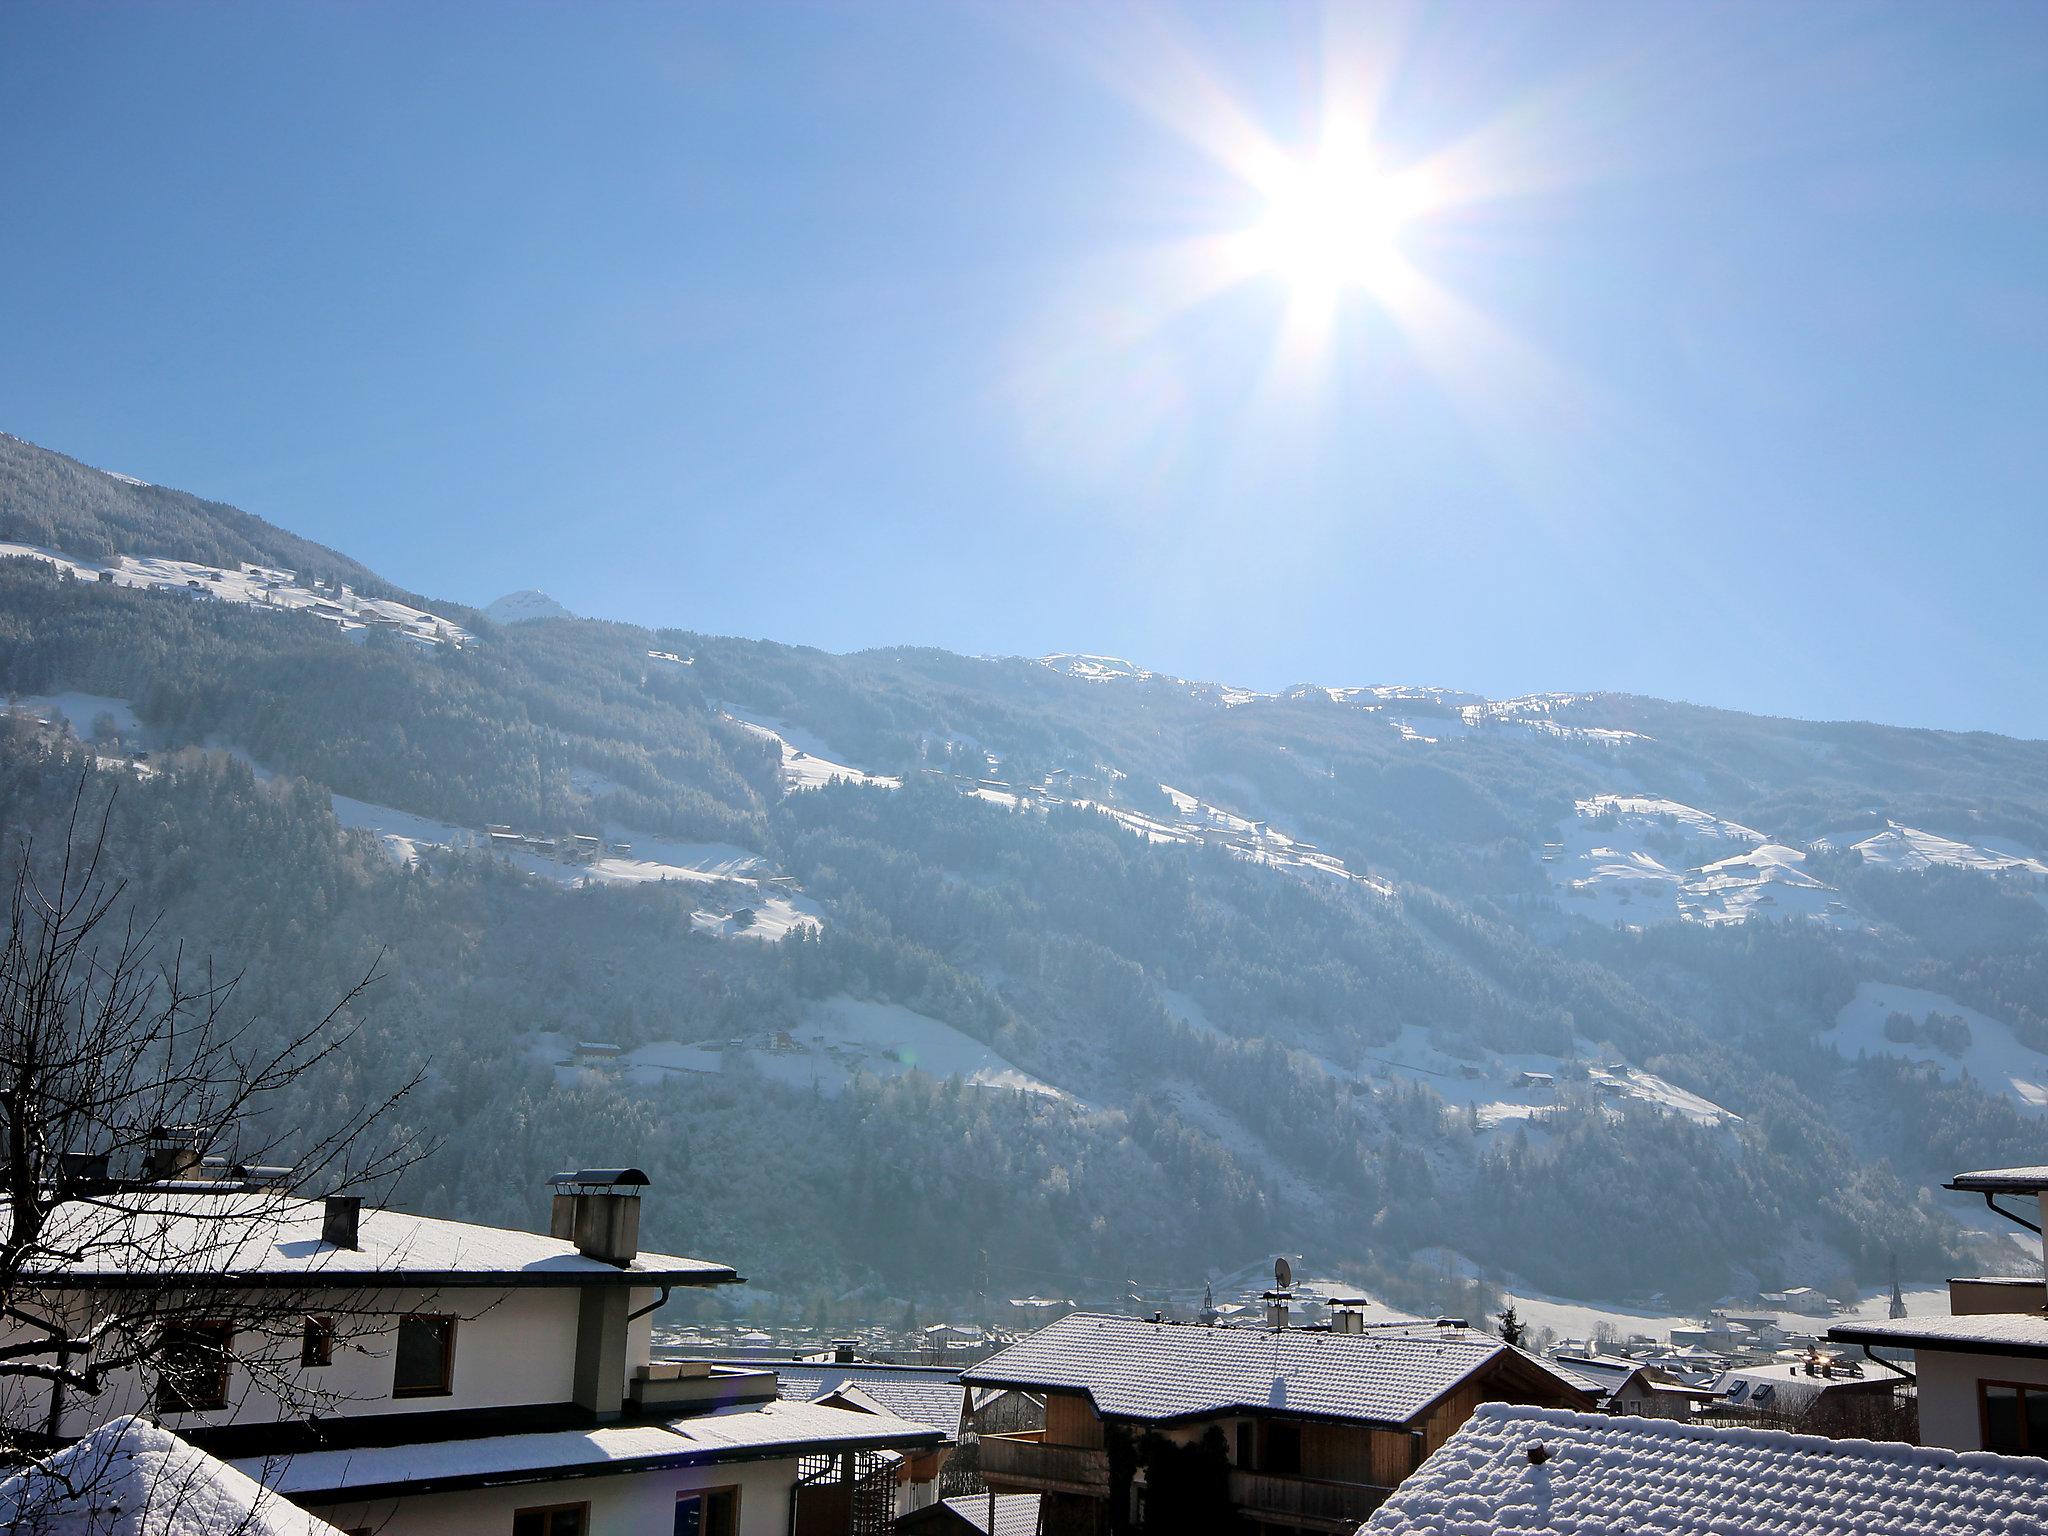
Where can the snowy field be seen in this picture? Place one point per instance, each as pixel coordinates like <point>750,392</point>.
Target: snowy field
<point>806,762</point>
<point>838,1037</point>
<point>1994,1059</point>
<point>1494,1086</point>
<point>1908,848</point>
<point>1640,861</point>
<point>255,586</point>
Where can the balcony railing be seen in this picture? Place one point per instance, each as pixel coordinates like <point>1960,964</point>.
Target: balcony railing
<point>1022,1462</point>
<point>1309,1500</point>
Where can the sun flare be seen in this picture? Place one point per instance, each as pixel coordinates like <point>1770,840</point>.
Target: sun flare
<point>1333,224</point>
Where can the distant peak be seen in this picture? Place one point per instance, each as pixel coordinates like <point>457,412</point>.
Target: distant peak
<point>517,607</point>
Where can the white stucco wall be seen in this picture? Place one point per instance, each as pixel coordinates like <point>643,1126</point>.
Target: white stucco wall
<point>639,1504</point>
<point>513,1346</point>
<point>1948,1393</point>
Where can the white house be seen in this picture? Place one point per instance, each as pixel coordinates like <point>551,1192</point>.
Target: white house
<point>1982,1372</point>
<point>466,1379</point>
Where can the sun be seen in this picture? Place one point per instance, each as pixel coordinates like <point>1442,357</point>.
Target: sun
<point>1335,223</point>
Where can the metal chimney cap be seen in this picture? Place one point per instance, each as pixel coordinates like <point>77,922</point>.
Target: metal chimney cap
<point>600,1178</point>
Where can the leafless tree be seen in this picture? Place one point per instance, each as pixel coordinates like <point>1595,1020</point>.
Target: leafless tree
<point>153,1139</point>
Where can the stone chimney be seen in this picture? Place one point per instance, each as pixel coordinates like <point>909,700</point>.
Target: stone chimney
<point>598,1209</point>
<point>1347,1314</point>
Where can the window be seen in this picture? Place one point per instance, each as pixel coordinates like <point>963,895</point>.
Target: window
<point>192,1367</point>
<point>552,1520</point>
<point>2015,1417</point>
<point>426,1358</point>
<point>708,1512</point>
<point>316,1344</point>
<point>1283,1449</point>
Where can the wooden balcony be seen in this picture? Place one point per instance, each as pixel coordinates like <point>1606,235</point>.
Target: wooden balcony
<point>1021,1463</point>
<point>1304,1501</point>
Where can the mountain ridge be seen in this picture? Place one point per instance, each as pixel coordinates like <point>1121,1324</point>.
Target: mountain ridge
<point>1295,969</point>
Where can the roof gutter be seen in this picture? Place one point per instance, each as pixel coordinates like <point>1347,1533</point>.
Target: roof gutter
<point>653,1306</point>
<point>1991,1200</point>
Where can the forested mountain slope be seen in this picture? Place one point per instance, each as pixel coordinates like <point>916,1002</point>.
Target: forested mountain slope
<point>1606,995</point>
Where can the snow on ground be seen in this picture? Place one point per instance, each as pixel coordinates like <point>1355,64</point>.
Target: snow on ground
<point>838,1037</point>
<point>1640,860</point>
<point>1646,811</point>
<point>1909,848</point>
<point>1532,715</point>
<point>1998,1062</point>
<point>806,761</point>
<point>778,906</point>
<point>1505,1087</point>
<point>1257,842</point>
<point>82,709</point>
<point>776,915</point>
<point>256,586</point>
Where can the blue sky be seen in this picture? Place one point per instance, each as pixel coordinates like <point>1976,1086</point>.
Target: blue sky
<point>866,324</point>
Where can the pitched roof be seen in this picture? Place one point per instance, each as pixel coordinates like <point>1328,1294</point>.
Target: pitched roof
<point>807,1380</point>
<point>2011,1181</point>
<point>262,1237</point>
<point>1136,1369</point>
<point>1997,1333</point>
<point>1608,1475</point>
<point>132,1478</point>
<point>937,1403</point>
<point>1016,1514</point>
<point>738,1434</point>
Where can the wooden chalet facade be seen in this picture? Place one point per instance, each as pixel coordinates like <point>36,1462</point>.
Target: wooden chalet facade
<point>1294,1430</point>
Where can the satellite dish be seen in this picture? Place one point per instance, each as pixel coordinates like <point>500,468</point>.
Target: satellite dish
<point>1283,1273</point>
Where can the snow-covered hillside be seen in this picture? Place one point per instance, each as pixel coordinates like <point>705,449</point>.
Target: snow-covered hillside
<point>806,761</point>
<point>1640,860</point>
<point>1992,1057</point>
<point>1502,1089</point>
<point>746,896</point>
<point>274,591</point>
<point>837,1038</point>
<point>1903,847</point>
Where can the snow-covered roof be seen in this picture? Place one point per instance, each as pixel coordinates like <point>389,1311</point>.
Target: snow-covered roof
<point>1787,1389</point>
<point>132,1478</point>
<point>936,1403</point>
<point>1607,1374</point>
<point>737,1434</point>
<point>805,1381</point>
<point>1996,1333</point>
<point>262,1237</point>
<point>1600,1476</point>
<point>2010,1181</point>
<point>1016,1514</point>
<point>1136,1369</point>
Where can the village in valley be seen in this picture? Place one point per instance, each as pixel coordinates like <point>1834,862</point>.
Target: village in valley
<point>219,1351</point>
